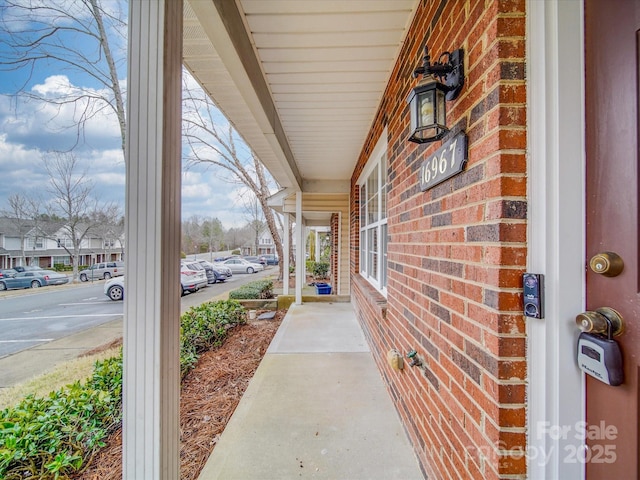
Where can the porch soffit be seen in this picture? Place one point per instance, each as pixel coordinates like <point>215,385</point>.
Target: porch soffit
<point>317,208</point>
<point>300,80</point>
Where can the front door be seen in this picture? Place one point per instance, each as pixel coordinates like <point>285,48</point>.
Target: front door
<point>612,35</point>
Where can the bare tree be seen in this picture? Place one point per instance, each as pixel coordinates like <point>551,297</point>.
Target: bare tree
<point>110,230</point>
<point>23,213</point>
<point>72,202</point>
<point>255,220</point>
<point>82,37</point>
<point>219,145</point>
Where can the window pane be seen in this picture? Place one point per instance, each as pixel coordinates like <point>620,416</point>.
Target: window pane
<point>372,209</point>
<point>383,187</point>
<point>363,249</point>
<point>372,269</point>
<point>383,253</point>
<point>363,207</point>
<point>372,184</point>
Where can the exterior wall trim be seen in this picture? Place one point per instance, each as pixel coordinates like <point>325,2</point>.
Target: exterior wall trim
<point>556,173</point>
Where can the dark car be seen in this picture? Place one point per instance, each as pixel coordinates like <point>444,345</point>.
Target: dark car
<point>213,275</point>
<point>271,259</point>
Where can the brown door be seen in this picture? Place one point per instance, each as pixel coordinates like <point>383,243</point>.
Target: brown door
<point>612,53</point>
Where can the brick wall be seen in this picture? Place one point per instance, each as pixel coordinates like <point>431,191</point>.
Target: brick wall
<point>335,249</point>
<point>457,251</point>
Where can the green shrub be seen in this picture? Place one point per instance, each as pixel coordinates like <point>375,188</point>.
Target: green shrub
<point>320,269</point>
<point>260,289</point>
<point>317,269</point>
<point>53,437</point>
<point>205,326</point>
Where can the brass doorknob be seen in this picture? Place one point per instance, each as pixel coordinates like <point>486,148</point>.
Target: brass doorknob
<point>608,264</point>
<point>598,321</point>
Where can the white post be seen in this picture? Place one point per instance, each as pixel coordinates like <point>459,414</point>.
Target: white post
<point>300,266</point>
<point>286,252</point>
<point>152,303</point>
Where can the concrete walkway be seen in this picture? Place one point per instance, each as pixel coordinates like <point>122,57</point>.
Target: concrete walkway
<point>316,408</point>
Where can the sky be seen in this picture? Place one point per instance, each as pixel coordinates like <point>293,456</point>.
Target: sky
<point>30,130</point>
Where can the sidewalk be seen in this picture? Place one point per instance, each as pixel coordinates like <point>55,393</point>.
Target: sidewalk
<point>315,408</point>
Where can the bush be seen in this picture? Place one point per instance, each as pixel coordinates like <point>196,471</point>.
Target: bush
<point>318,269</point>
<point>54,437</point>
<point>260,289</point>
<point>61,267</point>
<point>206,326</point>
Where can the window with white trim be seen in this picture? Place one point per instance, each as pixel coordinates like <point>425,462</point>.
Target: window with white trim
<point>373,220</point>
<point>33,243</point>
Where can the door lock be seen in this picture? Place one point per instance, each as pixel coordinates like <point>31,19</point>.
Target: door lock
<point>599,355</point>
<point>609,264</point>
<point>600,321</point>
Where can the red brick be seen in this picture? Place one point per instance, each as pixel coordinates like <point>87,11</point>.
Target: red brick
<point>511,26</point>
<point>512,417</point>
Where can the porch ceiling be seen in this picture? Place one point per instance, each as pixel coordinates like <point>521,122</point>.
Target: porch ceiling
<point>301,80</point>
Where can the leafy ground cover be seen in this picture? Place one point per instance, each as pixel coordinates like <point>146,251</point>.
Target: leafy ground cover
<point>62,433</point>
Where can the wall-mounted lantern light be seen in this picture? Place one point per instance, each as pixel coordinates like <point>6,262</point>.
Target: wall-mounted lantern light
<point>442,80</point>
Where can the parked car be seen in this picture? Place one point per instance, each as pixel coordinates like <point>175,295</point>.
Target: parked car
<point>102,270</point>
<point>114,288</point>
<point>192,277</point>
<point>190,281</point>
<point>7,272</point>
<point>33,279</point>
<point>271,259</point>
<point>240,265</point>
<point>251,258</point>
<point>214,274</point>
<point>226,271</point>
<point>26,268</point>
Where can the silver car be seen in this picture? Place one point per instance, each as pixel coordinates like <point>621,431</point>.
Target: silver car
<point>102,270</point>
<point>240,265</point>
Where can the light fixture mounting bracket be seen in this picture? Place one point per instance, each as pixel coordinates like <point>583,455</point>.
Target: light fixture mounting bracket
<point>449,70</point>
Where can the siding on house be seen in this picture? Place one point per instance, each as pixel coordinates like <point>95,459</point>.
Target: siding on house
<point>457,251</point>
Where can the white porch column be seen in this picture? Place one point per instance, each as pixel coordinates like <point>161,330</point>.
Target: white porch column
<point>152,302</point>
<point>300,267</point>
<point>286,252</point>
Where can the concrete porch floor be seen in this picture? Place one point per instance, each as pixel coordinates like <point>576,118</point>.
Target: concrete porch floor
<point>316,408</point>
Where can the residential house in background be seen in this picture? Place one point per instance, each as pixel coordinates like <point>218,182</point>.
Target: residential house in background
<point>266,244</point>
<point>46,244</point>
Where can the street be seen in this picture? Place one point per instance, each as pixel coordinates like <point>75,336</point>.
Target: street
<point>33,317</point>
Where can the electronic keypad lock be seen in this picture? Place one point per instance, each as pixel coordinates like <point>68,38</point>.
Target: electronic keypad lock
<point>599,354</point>
<point>533,291</point>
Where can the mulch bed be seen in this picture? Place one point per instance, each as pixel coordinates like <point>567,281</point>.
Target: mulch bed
<point>208,397</point>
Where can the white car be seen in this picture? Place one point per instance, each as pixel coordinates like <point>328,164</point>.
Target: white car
<point>240,265</point>
<point>114,288</point>
<point>191,279</point>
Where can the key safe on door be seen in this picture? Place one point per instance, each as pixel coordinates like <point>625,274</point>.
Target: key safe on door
<point>598,353</point>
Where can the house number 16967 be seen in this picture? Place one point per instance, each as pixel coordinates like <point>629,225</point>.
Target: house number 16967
<point>445,162</point>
